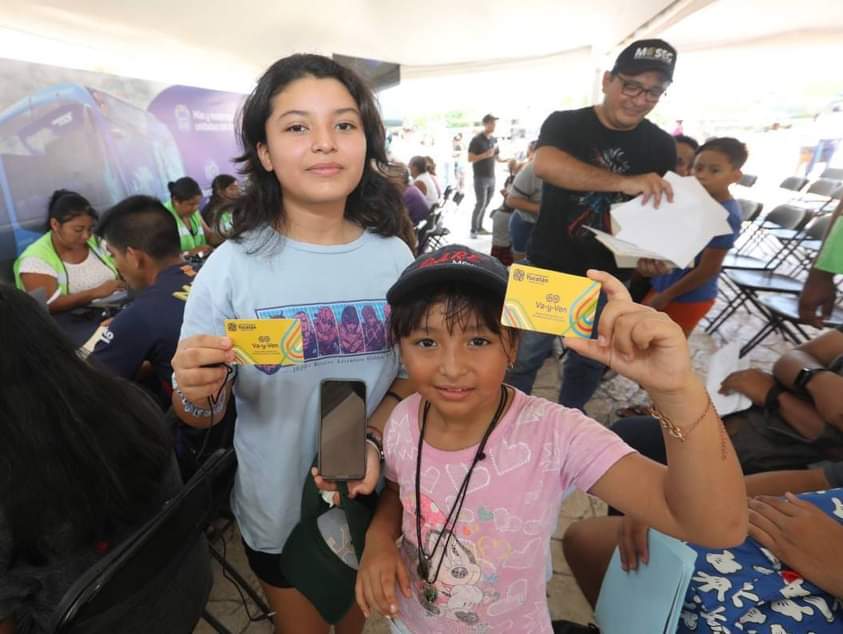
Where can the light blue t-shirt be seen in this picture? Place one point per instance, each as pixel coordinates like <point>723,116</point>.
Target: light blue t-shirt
<point>338,293</point>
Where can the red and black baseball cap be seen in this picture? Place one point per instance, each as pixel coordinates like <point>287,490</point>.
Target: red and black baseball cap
<point>451,263</point>
<point>646,55</point>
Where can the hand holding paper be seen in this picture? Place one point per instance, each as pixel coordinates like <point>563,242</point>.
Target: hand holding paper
<point>676,230</point>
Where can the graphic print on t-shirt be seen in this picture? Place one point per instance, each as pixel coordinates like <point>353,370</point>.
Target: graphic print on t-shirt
<point>594,206</point>
<point>337,329</point>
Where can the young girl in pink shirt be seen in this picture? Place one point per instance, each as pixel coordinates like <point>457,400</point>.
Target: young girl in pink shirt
<point>476,470</point>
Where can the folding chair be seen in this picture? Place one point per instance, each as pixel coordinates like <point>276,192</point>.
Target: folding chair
<point>742,281</point>
<point>747,180</point>
<point>146,559</point>
<point>782,312</point>
<point>433,233</point>
<point>793,183</point>
<point>750,209</point>
<point>746,283</point>
<point>758,248</point>
<point>820,193</point>
<point>832,173</point>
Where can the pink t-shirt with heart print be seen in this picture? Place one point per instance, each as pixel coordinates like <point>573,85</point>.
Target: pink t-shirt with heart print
<point>492,577</point>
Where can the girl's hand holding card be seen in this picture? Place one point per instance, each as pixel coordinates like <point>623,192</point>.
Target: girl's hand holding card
<point>636,341</point>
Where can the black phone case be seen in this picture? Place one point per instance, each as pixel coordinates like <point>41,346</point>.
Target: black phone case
<point>342,477</point>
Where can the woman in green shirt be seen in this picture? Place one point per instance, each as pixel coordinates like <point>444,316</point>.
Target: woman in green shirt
<point>185,196</point>
<point>67,262</point>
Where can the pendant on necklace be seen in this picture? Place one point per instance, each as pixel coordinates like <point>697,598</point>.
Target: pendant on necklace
<point>423,568</point>
<point>429,592</point>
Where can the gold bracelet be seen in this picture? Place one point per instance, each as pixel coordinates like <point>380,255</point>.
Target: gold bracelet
<point>673,429</point>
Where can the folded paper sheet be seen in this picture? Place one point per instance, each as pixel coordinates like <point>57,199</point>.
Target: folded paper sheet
<point>677,231</point>
<point>721,364</point>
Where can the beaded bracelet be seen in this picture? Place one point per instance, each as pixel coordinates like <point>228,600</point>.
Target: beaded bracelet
<point>202,412</point>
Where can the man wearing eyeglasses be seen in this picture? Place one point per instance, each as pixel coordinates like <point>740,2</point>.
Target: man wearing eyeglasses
<point>590,159</point>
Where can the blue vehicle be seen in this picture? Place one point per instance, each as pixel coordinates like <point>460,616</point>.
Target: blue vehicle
<point>78,138</point>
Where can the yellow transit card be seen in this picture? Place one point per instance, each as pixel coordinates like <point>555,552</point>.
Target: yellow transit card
<point>266,341</point>
<point>550,302</point>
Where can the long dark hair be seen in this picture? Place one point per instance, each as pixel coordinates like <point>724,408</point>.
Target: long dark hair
<point>374,204</point>
<point>65,205</point>
<point>216,201</point>
<point>81,451</point>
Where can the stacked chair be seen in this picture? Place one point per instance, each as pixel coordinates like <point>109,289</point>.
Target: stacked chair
<point>431,232</point>
<point>765,271</point>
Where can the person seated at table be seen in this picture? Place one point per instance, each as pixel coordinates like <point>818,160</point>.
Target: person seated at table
<point>67,262</point>
<point>185,196</point>
<point>411,196</point>
<point>217,212</point>
<point>86,461</point>
<point>140,341</point>
<point>424,180</point>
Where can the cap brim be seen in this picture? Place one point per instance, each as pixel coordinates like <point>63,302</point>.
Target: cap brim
<point>422,278</point>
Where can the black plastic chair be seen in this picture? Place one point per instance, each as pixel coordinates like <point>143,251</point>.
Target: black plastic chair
<point>759,248</point>
<point>149,556</point>
<point>744,277</point>
<point>793,183</point>
<point>747,180</point>
<point>750,209</point>
<point>782,312</point>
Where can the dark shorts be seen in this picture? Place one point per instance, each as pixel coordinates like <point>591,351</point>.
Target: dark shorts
<point>267,567</point>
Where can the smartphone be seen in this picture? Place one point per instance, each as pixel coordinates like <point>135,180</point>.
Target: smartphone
<point>342,429</point>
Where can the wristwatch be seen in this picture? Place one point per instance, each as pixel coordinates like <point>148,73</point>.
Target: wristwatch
<point>804,377</point>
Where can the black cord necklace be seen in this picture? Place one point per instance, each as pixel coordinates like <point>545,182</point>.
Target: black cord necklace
<point>429,592</point>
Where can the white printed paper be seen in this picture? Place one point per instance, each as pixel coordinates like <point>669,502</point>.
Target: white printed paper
<point>722,364</point>
<point>677,231</point>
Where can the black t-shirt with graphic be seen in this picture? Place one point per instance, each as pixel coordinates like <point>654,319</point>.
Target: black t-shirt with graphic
<point>560,241</point>
<point>484,168</point>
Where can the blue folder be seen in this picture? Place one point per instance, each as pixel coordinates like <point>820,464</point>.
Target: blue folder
<point>648,600</point>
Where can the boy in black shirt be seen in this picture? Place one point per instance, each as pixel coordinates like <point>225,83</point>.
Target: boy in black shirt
<point>588,160</point>
<point>141,340</point>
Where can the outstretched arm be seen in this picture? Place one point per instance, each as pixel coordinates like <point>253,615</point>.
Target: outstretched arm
<point>649,348</point>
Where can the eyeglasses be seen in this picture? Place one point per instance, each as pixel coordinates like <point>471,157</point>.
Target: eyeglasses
<point>632,88</point>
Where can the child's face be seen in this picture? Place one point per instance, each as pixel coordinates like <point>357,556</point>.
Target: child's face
<point>684,159</point>
<point>459,372</point>
<point>715,173</point>
<point>315,142</point>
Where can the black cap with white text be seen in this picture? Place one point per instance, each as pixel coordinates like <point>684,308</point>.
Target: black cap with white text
<point>646,55</point>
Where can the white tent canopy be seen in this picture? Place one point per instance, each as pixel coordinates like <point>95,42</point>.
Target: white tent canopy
<point>552,47</point>
<point>226,44</point>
